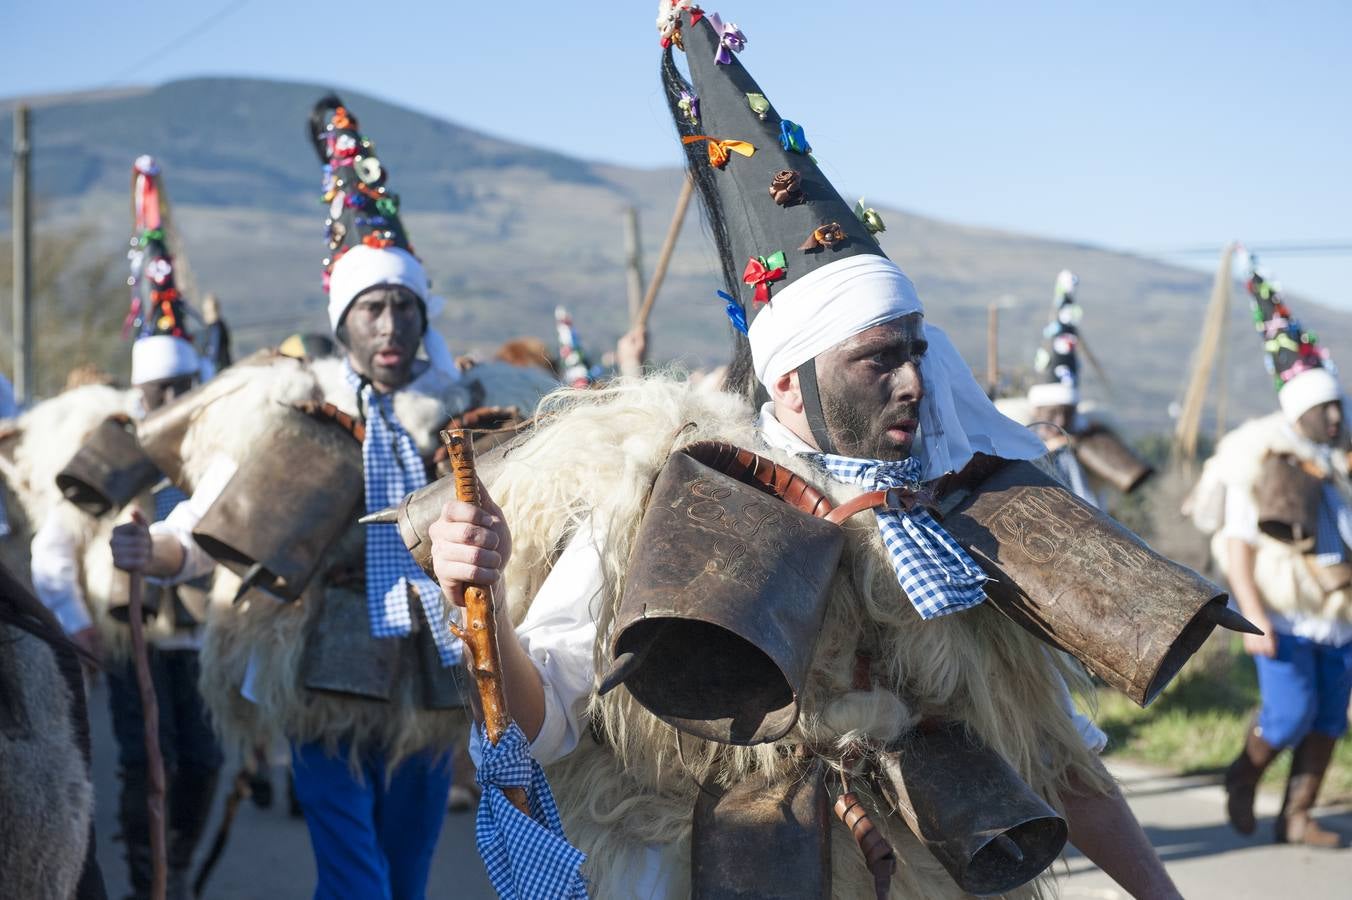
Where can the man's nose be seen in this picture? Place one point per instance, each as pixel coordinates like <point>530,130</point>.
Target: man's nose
<point>909,385</point>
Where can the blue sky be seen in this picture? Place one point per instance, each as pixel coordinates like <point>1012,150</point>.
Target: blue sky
<point>1144,126</point>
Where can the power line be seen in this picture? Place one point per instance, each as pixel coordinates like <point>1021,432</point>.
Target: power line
<point>1276,248</point>
<point>187,36</point>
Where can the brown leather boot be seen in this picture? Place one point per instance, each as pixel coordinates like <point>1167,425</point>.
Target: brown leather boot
<point>1241,780</point>
<point>1295,825</point>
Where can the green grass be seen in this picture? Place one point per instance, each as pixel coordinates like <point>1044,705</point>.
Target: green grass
<point>1198,724</point>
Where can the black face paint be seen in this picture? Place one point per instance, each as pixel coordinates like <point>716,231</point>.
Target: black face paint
<point>870,391</point>
<point>1324,424</point>
<point>382,330</point>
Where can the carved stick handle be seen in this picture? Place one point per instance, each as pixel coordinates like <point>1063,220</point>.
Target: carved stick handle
<point>480,633</point>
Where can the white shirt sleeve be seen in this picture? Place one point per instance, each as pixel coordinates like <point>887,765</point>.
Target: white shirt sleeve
<point>183,518</point>
<point>559,635</point>
<point>1241,516</point>
<point>56,575</point>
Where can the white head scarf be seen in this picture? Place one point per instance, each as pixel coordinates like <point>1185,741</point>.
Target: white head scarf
<point>362,268</point>
<point>1308,390</point>
<point>158,357</point>
<point>838,301</point>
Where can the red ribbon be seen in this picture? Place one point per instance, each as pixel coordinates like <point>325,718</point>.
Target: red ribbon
<point>758,274</point>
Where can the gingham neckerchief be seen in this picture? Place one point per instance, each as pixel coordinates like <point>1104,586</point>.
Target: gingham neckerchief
<point>937,575</point>
<point>526,856</point>
<point>166,498</point>
<point>392,469</point>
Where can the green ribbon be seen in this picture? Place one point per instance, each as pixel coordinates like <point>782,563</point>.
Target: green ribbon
<point>870,217</point>
<point>388,206</point>
<point>775,260</point>
<point>759,105</point>
<point>151,234</point>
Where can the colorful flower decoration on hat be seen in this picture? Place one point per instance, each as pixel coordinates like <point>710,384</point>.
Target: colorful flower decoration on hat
<point>792,138</point>
<point>735,313</point>
<point>760,271</point>
<point>786,187</point>
<point>831,236</point>
<point>1289,349</point>
<point>689,107</point>
<point>718,149</point>
<point>669,20</point>
<point>870,217</point>
<point>759,105</point>
<point>730,39</point>
<point>156,305</point>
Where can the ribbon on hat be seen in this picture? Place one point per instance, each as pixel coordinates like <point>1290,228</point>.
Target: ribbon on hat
<point>718,149</point>
<point>689,106</point>
<point>736,314</point>
<point>759,105</point>
<point>792,138</point>
<point>830,236</point>
<point>869,216</point>
<point>761,270</point>
<point>730,38</point>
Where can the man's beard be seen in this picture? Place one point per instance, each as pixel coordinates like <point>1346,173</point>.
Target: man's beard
<point>862,433</point>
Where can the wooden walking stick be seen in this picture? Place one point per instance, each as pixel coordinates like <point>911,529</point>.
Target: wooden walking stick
<point>150,713</point>
<point>664,256</point>
<point>480,633</point>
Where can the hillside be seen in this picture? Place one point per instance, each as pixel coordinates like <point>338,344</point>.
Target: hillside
<point>509,231</point>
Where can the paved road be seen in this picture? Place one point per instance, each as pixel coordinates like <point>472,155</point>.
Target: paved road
<point>269,853</point>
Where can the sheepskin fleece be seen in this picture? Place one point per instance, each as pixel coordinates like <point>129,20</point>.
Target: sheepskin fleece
<point>1279,568</point>
<point>46,796</point>
<point>272,632</point>
<point>596,454</point>
<point>48,436</point>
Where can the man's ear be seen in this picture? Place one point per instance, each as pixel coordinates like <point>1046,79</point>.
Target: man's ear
<point>785,392</point>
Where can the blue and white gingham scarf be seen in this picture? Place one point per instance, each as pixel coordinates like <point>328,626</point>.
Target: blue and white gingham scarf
<point>937,575</point>
<point>526,856</point>
<point>393,469</point>
<point>1333,531</point>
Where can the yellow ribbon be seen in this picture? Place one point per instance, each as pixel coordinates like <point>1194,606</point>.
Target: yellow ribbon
<point>718,150</point>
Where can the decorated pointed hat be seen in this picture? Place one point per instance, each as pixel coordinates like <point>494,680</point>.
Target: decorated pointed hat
<point>367,243</point>
<point>1301,370</point>
<point>802,268</point>
<point>157,318</point>
<point>1057,363</point>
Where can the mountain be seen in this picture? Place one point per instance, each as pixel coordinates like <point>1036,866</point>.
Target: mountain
<point>509,231</point>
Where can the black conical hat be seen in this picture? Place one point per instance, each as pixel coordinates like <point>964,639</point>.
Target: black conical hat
<point>157,307</point>
<point>1058,360</point>
<point>731,106</point>
<point>360,207</point>
<point>1288,348</point>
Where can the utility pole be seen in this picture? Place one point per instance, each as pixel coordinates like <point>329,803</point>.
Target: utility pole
<point>633,254</point>
<point>23,264</point>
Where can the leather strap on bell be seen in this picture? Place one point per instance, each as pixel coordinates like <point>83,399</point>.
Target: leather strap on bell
<point>812,406</point>
<point>328,412</point>
<point>757,471</point>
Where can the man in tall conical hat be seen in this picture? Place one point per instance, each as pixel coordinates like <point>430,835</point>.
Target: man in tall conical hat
<point>1276,497</point>
<point>864,393</point>
<point>358,672</point>
<point>70,548</point>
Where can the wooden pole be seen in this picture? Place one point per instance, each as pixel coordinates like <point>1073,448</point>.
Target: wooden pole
<point>150,714</point>
<point>633,262</point>
<point>480,633</point>
<point>664,256</point>
<point>1204,362</point>
<point>23,260</point>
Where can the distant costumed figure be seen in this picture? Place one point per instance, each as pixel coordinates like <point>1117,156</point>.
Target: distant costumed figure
<point>327,634</point>
<point>721,621</point>
<point>1275,498</point>
<point>1087,452</point>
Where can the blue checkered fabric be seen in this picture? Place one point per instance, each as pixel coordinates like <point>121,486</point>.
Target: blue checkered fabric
<point>166,498</point>
<point>527,857</point>
<point>4,518</point>
<point>937,575</point>
<point>393,469</point>
<point>1333,531</point>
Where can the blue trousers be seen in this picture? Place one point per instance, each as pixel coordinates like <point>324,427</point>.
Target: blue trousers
<point>373,833</point>
<point>1304,688</point>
